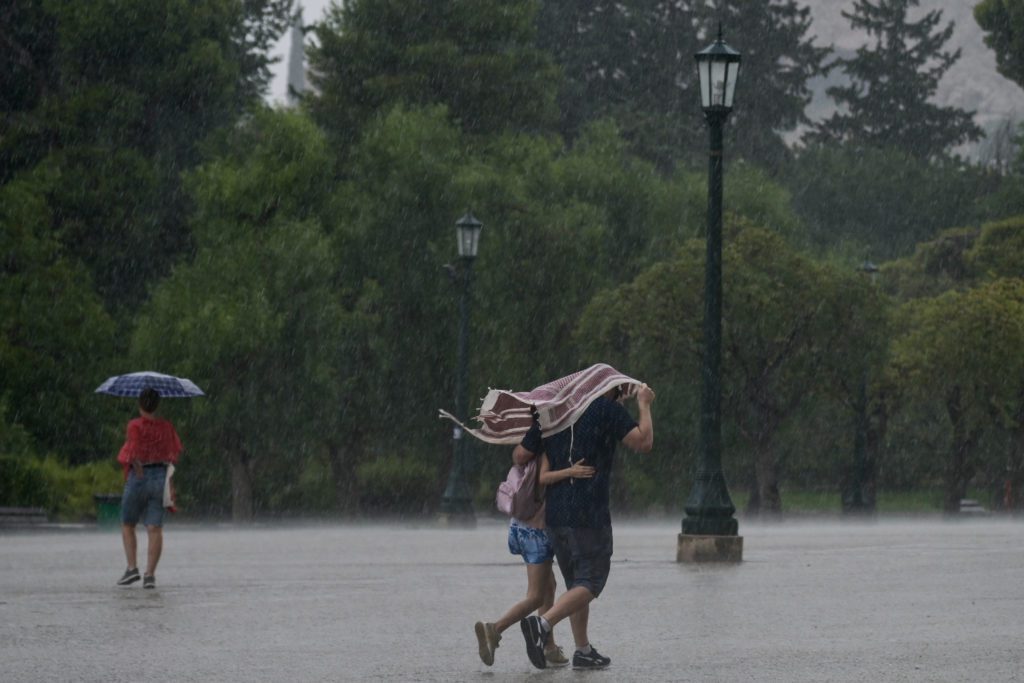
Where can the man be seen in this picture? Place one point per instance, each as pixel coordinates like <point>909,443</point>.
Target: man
<point>150,446</point>
<point>577,515</point>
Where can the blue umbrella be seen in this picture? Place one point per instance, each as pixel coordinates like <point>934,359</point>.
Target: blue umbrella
<point>133,383</point>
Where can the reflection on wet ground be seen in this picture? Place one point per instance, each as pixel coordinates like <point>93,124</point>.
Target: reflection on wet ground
<point>908,601</point>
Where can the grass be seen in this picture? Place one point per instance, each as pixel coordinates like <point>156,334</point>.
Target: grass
<point>888,502</point>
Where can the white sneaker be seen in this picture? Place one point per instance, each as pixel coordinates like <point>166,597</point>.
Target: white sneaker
<point>556,657</point>
<point>488,639</point>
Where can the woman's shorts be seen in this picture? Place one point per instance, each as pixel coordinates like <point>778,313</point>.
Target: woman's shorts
<point>532,544</point>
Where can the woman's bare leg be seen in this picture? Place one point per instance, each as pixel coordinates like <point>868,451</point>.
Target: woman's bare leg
<point>536,588</point>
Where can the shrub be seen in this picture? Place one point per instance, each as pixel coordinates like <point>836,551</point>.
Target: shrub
<point>22,482</point>
<point>65,492</point>
<point>395,484</point>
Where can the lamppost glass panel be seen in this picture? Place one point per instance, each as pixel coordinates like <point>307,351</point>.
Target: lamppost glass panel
<point>718,67</point>
<point>467,232</point>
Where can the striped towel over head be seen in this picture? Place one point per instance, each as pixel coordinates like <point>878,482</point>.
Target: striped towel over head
<point>505,416</point>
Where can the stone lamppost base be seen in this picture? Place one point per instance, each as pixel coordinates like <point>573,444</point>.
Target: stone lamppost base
<point>693,548</point>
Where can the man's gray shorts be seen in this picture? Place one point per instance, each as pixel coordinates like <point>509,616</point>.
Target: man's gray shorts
<point>584,556</point>
<point>144,498</point>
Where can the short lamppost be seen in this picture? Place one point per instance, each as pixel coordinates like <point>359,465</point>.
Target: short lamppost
<point>854,500</point>
<point>457,503</point>
<point>710,532</point>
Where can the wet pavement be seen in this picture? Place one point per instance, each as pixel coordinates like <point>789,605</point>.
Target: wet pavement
<point>923,600</point>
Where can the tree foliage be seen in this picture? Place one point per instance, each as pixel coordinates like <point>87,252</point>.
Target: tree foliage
<point>114,98</point>
<point>633,61</point>
<point>961,349</point>
<point>52,326</point>
<point>1003,23</point>
<point>793,330</point>
<point>881,202</point>
<point>476,57</point>
<point>892,80</point>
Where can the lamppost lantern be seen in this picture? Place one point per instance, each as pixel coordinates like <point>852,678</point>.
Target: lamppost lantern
<point>869,268</point>
<point>718,67</point>
<point>467,232</point>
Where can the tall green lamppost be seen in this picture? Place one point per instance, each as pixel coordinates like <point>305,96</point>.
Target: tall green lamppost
<point>854,500</point>
<point>710,532</point>
<point>457,502</point>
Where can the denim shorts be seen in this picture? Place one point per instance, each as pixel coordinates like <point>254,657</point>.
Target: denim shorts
<point>532,544</point>
<point>144,498</point>
<point>584,556</point>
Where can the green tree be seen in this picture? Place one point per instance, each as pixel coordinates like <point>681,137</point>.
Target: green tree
<point>958,259</point>
<point>892,80</point>
<point>961,350</point>
<point>474,56</point>
<point>258,318</point>
<point>118,95</point>
<point>56,341</point>
<point>1003,23</point>
<point>883,202</point>
<point>634,61</point>
<point>786,319</point>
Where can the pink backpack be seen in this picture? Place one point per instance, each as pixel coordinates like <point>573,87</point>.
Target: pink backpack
<point>520,495</point>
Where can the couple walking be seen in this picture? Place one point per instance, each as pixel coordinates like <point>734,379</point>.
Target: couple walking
<point>572,427</point>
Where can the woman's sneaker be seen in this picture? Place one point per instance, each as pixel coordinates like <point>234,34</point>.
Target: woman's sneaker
<point>488,640</point>
<point>130,577</point>
<point>556,657</point>
<point>592,660</point>
<point>149,582</point>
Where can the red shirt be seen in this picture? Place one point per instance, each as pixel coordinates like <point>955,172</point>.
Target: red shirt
<point>150,440</point>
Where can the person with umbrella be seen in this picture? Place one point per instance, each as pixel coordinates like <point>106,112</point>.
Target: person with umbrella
<point>151,446</point>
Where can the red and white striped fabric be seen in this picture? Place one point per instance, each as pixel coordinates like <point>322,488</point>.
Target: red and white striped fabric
<point>505,415</point>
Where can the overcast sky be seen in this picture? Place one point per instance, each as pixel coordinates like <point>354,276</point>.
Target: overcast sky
<point>972,83</point>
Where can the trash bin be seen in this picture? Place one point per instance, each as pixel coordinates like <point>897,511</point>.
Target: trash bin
<point>108,509</point>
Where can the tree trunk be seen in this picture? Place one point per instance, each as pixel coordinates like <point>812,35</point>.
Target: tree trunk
<point>766,467</point>
<point>878,423</point>
<point>960,469</point>
<point>343,461</point>
<point>241,486</point>
<point>753,508</point>
<point>1013,485</point>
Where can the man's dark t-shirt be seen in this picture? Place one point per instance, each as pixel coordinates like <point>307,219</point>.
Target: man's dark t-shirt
<point>583,503</point>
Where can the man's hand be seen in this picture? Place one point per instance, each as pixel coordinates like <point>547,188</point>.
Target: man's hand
<point>644,395</point>
<point>137,469</point>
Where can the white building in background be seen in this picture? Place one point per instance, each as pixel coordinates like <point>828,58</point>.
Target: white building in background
<point>296,60</point>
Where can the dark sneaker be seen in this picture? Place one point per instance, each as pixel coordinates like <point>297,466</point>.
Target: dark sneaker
<point>130,577</point>
<point>536,637</point>
<point>594,660</point>
<point>149,582</point>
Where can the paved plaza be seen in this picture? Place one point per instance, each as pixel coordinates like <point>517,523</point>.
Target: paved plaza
<point>923,600</point>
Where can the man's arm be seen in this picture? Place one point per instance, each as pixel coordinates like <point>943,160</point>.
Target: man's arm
<point>641,437</point>
<point>530,446</point>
